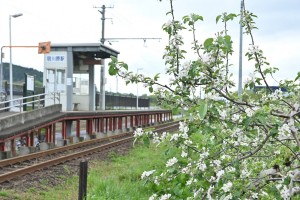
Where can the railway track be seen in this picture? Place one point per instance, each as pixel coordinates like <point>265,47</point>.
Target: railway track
<point>19,166</point>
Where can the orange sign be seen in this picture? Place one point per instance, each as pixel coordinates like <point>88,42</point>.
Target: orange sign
<point>44,47</point>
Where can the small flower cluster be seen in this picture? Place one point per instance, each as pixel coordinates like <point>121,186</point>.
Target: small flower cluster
<point>284,132</point>
<point>147,174</point>
<point>253,49</point>
<point>139,132</point>
<point>250,79</point>
<point>276,95</point>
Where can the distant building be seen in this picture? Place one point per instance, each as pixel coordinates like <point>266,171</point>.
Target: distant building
<point>273,88</point>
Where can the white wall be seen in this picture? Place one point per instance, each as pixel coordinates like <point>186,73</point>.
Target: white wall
<point>83,101</point>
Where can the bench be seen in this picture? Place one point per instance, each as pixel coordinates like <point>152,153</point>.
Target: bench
<point>75,106</point>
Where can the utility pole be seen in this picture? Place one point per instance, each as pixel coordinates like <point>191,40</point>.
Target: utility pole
<point>240,88</point>
<point>102,70</point>
<point>102,40</point>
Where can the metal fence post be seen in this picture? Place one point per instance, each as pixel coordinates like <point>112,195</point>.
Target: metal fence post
<point>54,97</point>
<point>39,102</point>
<point>21,104</point>
<point>83,180</point>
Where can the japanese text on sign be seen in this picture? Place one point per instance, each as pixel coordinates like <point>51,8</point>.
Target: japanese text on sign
<point>55,58</point>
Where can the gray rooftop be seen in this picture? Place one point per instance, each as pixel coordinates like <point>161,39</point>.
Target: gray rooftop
<point>88,50</point>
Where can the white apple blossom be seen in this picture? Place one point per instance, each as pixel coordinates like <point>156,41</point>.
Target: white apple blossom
<point>146,85</point>
<point>212,96</point>
<point>201,166</point>
<point>146,174</point>
<point>223,114</point>
<point>250,79</point>
<point>285,193</point>
<point>253,49</point>
<point>277,94</point>
<point>183,127</point>
<point>212,179</point>
<point>249,112</point>
<point>284,132</point>
<point>255,195</point>
<point>223,157</point>
<point>171,162</point>
<point>189,182</point>
<point>226,187</point>
<point>204,154</point>
<point>235,117</point>
<point>220,174</point>
<point>168,23</point>
<point>217,163</point>
<point>156,180</point>
<point>209,192</point>
<point>245,173</point>
<point>165,197</point>
<point>138,132</point>
<point>174,137</point>
<point>153,197</point>
<point>183,154</point>
<point>206,58</point>
<point>277,152</point>
<point>230,169</point>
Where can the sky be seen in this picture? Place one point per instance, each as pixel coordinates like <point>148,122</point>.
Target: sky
<point>65,21</point>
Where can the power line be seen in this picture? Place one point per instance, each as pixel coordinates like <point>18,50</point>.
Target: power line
<point>102,40</point>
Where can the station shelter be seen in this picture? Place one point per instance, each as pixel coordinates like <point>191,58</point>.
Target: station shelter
<point>63,68</point>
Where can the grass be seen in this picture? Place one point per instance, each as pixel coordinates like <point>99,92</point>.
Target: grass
<point>118,178</point>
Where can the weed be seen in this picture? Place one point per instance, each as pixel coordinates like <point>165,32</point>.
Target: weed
<point>4,193</point>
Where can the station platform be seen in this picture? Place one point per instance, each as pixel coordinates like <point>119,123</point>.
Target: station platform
<point>48,122</point>
<point>6,114</point>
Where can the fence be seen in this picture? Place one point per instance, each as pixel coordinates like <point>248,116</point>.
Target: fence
<point>30,98</point>
<point>119,101</point>
<point>36,101</point>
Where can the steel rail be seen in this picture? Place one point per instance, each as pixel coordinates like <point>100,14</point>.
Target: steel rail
<point>55,161</point>
<point>56,150</point>
<point>11,175</point>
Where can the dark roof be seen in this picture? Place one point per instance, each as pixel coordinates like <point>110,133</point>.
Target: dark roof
<point>90,50</point>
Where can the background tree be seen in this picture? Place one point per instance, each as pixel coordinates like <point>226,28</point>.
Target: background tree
<point>228,146</point>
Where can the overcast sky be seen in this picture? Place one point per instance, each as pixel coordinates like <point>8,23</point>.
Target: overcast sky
<point>65,21</point>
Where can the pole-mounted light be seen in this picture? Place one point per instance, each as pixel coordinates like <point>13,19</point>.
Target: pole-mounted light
<point>10,59</point>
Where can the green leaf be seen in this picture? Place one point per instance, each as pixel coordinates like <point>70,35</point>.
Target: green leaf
<point>177,191</point>
<point>113,59</point>
<point>185,18</point>
<point>146,141</point>
<point>227,41</point>
<point>298,76</point>
<point>150,89</point>
<point>248,121</point>
<point>208,42</point>
<point>156,77</point>
<point>296,148</point>
<point>196,17</point>
<point>261,119</point>
<point>287,180</point>
<point>112,70</point>
<point>218,18</point>
<point>230,16</point>
<point>124,65</point>
<point>202,109</point>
